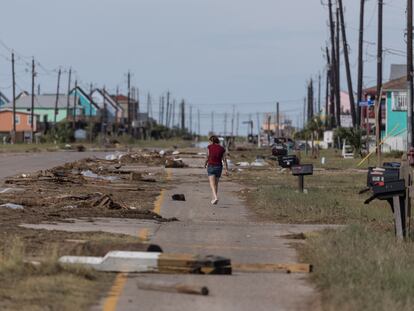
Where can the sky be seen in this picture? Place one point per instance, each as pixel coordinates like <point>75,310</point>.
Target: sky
<point>216,54</point>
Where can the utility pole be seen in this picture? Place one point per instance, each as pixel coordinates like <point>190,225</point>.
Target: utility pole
<point>183,115</point>
<point>75,99</point>
<point>212,122</point>
<point>379,80</point>
<point>319,93</point>
<point>168,110</point>
<point>327,85</point>
<point>410,129</point>
<point>129,104</point>
<point>198,122</point>
<point>90,113</point>
<point>162,110</point>
<point>277,120</point>
<point>14,101</point>
<point>360,60</point>
<point>310,101</point>
<point>173,114</point>
<point>225,124</point>
<point>104,115</point>
<point>232,120</point>
<point>191,120</point>
<point>237,123</point>
<point>68,99</point>
<point>304,113</point>
<point>338,71</point>
<point>57,97</point>
<point>332,63</point>
<point>33,98</point>
<point>347,66</point>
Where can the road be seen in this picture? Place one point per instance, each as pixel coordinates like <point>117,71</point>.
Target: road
<point>227,230</point>
<point>18,163</point>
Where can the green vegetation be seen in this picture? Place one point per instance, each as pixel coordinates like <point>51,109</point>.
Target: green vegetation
<point>359,268</point>
<point>46,286</point>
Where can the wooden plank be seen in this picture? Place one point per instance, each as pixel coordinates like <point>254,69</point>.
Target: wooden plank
<point>289,268</point>
<point>174,288</point>
<point>177,260</point>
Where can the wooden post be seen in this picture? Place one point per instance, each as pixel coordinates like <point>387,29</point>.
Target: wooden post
<point>301,180</point>
<point>399,231</point>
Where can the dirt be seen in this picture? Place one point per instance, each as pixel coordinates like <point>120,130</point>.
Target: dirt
<point>66,192</point>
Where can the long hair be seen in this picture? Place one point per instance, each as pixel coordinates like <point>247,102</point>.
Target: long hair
<point>214,139</point>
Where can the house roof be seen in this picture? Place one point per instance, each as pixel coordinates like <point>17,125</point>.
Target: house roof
<point>122,98</point>
<point>396,84</point>
<point>17,112</point>
<point>3,98</point>
<point>79,89</point>
<point>41,101</point>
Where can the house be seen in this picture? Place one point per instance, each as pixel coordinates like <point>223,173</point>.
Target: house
<point>87,108</point>
<point>23,124</point>
<point>44,106</point>
<point>3,100</point>
<point>396,114</point>
<point>115,111</point>
<point>133,109</point>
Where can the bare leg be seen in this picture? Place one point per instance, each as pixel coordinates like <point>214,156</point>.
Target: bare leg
<point>213,185</point>
<point>217,183</point>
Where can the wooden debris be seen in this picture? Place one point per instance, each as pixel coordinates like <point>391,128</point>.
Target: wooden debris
<point>289,268</point>
<point>174,288</point>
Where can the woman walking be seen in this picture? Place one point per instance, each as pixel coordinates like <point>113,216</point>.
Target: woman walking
<point>214,164</point>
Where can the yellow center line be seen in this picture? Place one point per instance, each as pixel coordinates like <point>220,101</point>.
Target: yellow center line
<point>143,234</point>
<point>160,199</point>
<point>112,300</point>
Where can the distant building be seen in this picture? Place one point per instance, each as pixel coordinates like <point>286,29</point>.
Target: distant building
<point>44,106</point>
<point>23,124</point>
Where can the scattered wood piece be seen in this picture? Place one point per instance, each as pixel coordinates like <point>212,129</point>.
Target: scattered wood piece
<point>174,288</point>
<point>289,268</point>
<point>178,197</point>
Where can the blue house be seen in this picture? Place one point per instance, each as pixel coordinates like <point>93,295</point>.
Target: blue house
<point>396,114</point>
<point>87,106</point>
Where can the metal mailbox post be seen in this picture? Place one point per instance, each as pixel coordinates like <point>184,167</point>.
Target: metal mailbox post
<point>386,184</point>
<point>301,171</point>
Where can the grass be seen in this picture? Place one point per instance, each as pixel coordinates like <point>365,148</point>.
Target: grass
<point>360,268</point>
<point>49,286</point>
<point>332,198</point>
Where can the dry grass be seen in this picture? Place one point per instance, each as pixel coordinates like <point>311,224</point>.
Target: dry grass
<point>49,286</point>
<point>359,268</point>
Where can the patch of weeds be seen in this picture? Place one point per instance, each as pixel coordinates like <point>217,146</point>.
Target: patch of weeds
<point>360,268</point>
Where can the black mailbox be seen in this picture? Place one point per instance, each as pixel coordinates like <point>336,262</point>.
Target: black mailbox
<point>288,161</point>
<point>302,170</point>
<point>389,189</point>
<point>279,150</point>
<point>379,176</point>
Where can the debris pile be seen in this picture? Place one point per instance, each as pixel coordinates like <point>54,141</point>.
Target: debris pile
<point>88,188</point>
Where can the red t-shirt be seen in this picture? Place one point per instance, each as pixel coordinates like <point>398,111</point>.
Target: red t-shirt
<point>215,154</point>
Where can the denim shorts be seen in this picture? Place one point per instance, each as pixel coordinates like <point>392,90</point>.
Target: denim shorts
<point>214,170</point>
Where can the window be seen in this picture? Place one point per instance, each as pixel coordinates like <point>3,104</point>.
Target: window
<point>17,120</point>
<point>399,101</point>
<point>29,120</point>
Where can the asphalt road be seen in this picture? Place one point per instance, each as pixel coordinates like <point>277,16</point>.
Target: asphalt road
<point>18,163</point>
<point>227,230</point>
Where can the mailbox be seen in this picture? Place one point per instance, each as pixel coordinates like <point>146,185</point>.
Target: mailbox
<point>302,170</point>
<point>288,161</point>
<point>379,176</point>
<point>279,150</point>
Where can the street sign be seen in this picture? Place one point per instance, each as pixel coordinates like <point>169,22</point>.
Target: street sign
<point>367,103</point>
